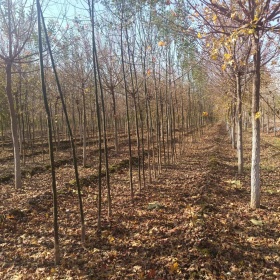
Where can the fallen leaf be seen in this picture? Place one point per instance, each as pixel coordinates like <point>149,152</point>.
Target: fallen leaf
<point>256,222</point>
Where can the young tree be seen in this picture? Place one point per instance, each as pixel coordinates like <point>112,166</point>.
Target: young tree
<point>50,138</point>
<point>257,21</point>
<point>17,19</point>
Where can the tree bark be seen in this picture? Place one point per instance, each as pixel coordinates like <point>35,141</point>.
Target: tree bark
<point>255,165</point>
<point>50,140</point>
<point>115,121</point>
<point>14,126</point>
<point>233,123</point>
<point>239,125</point>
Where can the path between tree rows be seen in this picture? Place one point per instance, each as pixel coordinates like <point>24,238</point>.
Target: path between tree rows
<point>193,222</point>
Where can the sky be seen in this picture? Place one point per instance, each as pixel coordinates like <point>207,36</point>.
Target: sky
<point>66,10</point>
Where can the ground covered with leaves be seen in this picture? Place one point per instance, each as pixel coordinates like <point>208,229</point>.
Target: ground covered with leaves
<point>192,222</point>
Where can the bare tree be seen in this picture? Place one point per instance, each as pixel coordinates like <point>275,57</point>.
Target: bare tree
<point>17,20</point>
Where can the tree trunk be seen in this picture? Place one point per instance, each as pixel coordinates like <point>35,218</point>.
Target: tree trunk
<point>239,125</point>
<point>64,110</point>
<point>14,126</point>
<point>274,117</point>
<point>233,123</point>
<point>84,121</point>
<point>50,140</point>
<point>255,167</point>
<point>115,121</point>
<point>267,120</point>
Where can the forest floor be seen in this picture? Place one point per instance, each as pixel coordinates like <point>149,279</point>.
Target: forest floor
<point>192,222</point>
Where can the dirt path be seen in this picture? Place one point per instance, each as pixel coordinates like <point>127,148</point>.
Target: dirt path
<point>193,222</point>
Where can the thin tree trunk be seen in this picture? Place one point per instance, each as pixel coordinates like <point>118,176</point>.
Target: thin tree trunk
<point>51,150</point>
<point>233,123</point>
<point>127,107</point>
<point>239,125</point>
<point>84,127</point>
<point>255,167</point>
<point>274,117</point>
<point>2,131</point>
<point>70,134</point>
<point>14,125</point>
<point>115,121</point>
<point>267,120</point>
<point>109,199</point>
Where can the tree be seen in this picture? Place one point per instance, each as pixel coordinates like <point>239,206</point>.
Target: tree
<point>256,20</point>
<point>17,22</point>
<point>50,138</point>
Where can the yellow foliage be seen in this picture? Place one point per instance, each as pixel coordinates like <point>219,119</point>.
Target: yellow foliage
<point>204,114</point>
<point>233,15</point>
<point>199,36</point>
<point>161,44</point>
<point>214,56</point>
<point>224,67</point>
<point>251,31</point>
<point>111,239</point>
<point>174,267</point>
<point>227,56</point>
<point>215,18</point>
<point>258,115</point>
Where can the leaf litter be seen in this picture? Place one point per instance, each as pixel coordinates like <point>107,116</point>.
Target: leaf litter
<point>192,222</point>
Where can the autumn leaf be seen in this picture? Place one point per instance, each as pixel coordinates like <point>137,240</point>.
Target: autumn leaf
<point>174,267</point>
<point>258,115</point>
<point>111,239</point>
<point>137,268</point>
<point>53,270</point>
<point>214,18</point>
<point>256,222</point>
<point>199,36</point>
<point>227,56</point>
<point>214,56</point>
<point>161,43</point>
<point>250,31</point>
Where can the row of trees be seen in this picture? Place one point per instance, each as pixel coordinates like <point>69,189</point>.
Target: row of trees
<point>148,70</point>
<point>243,38</point>
<point>121,76</point>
